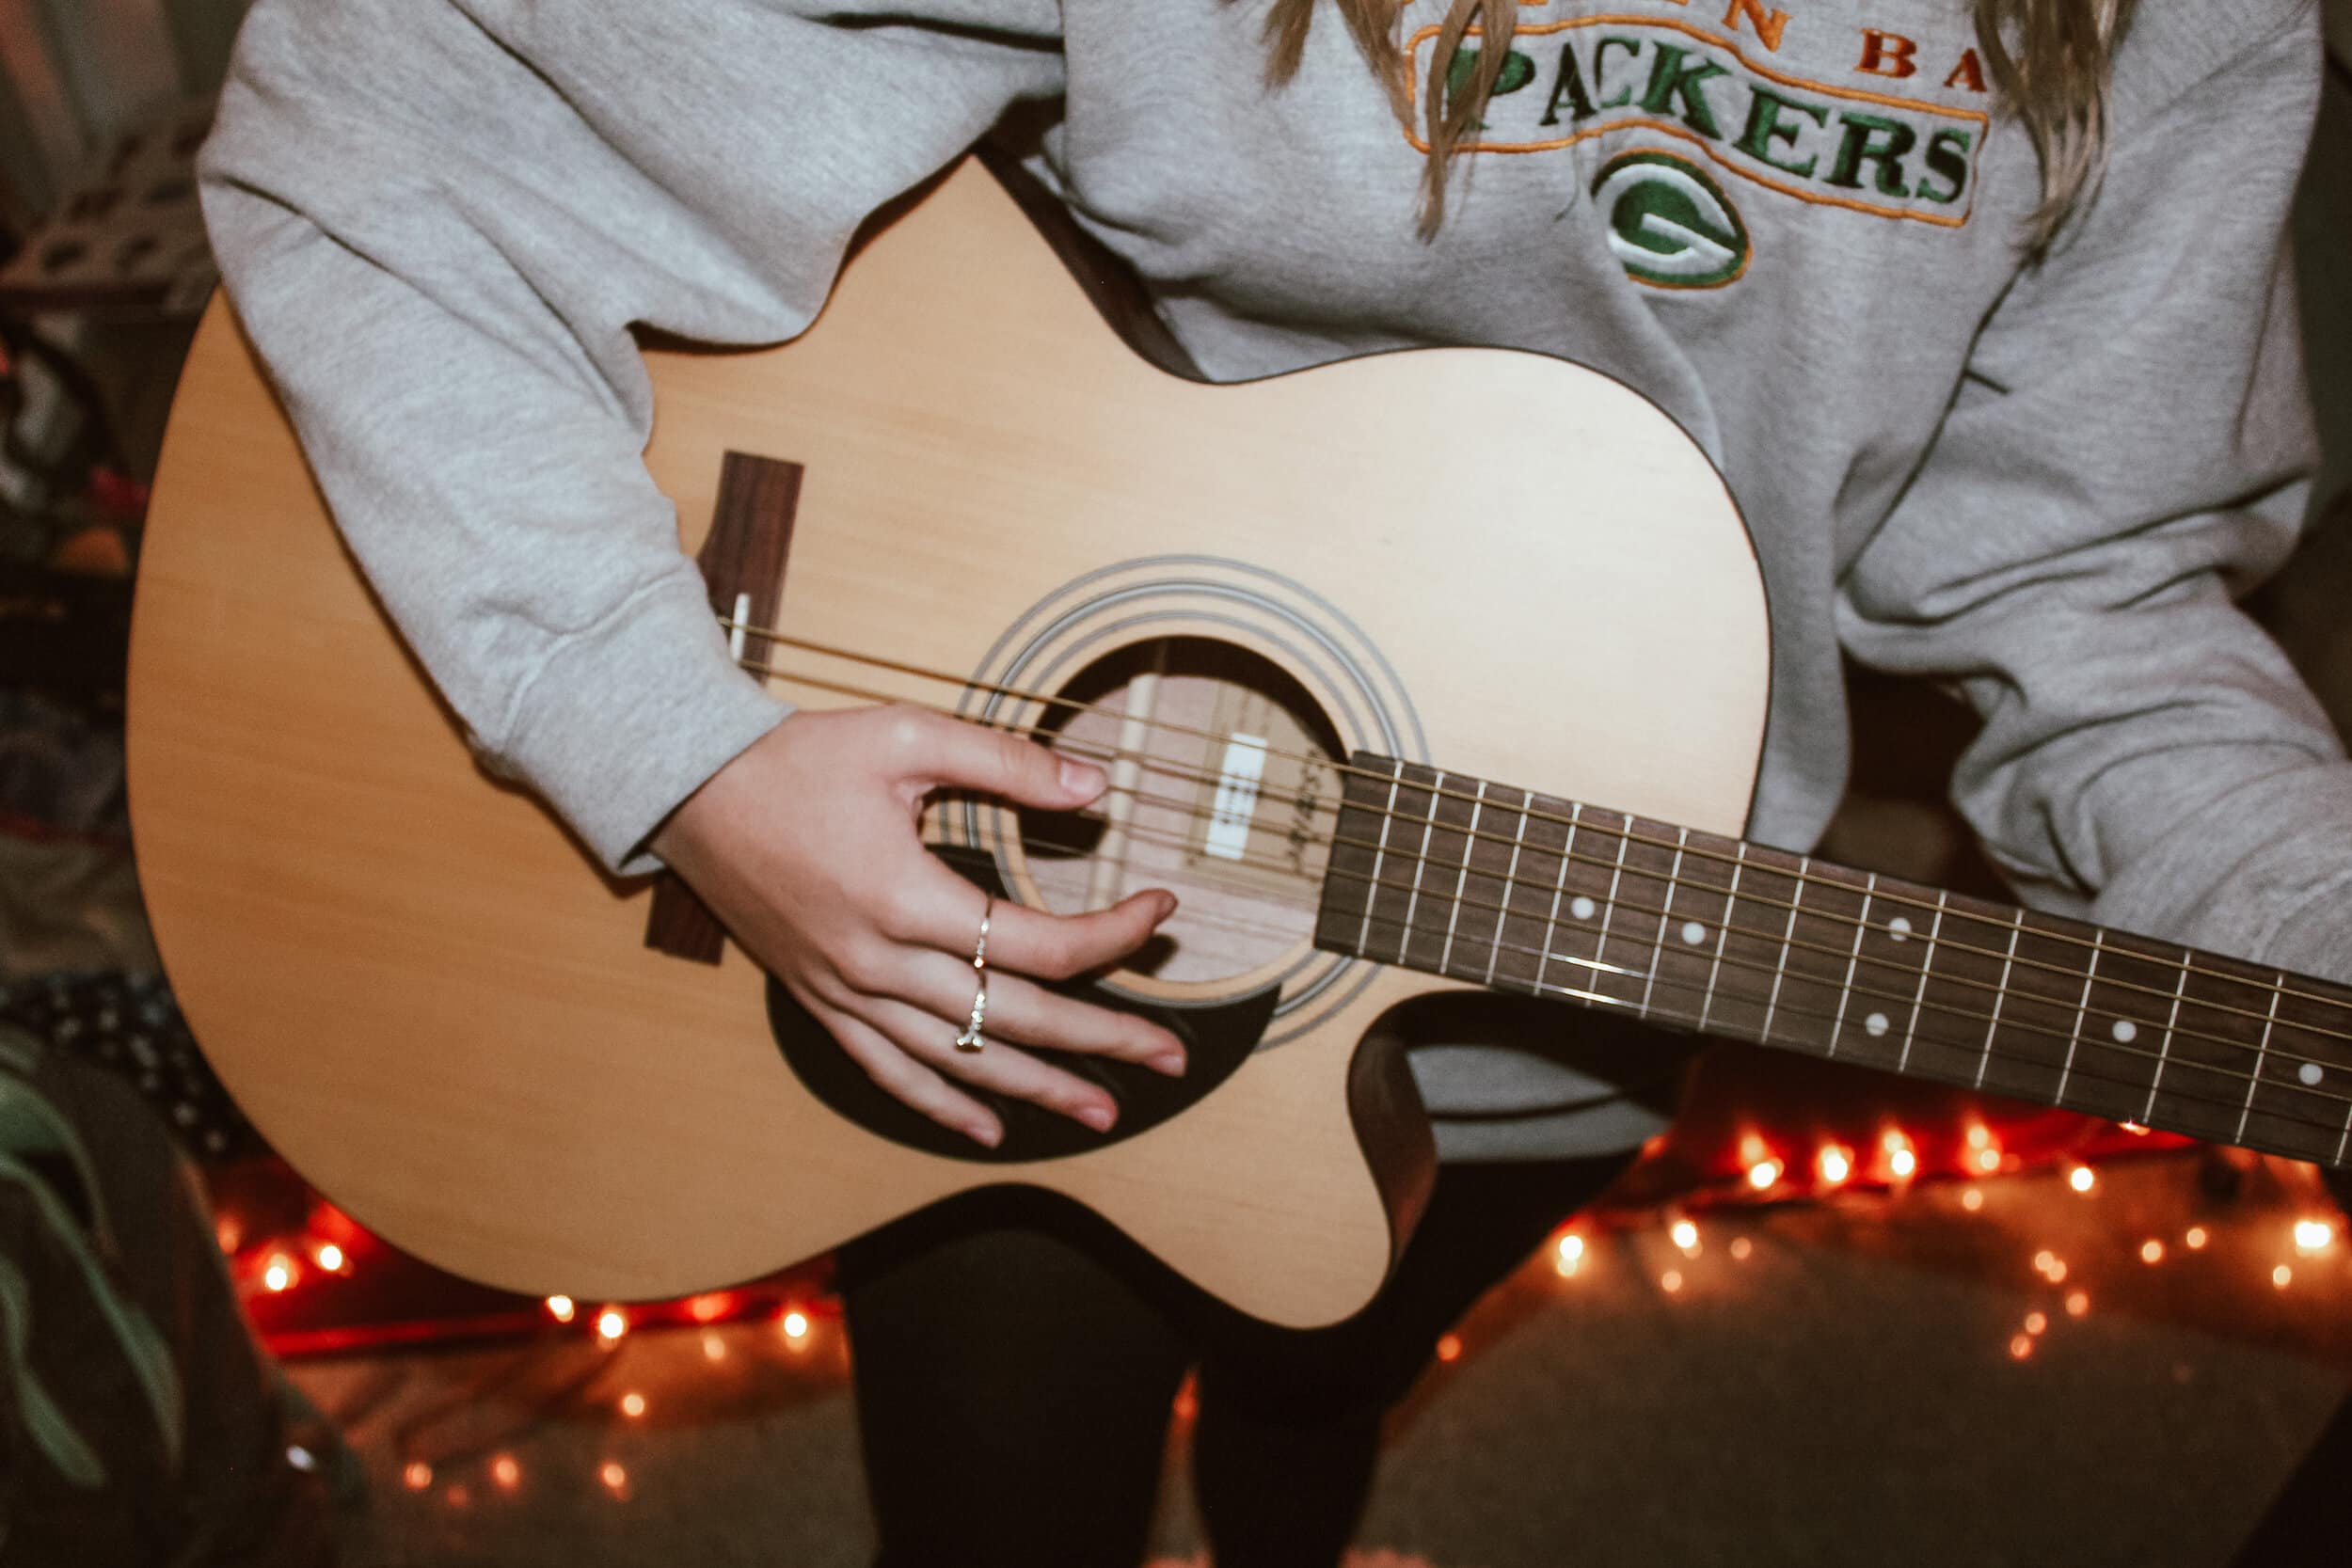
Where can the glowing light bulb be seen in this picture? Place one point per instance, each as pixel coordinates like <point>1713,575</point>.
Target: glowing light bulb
<point>279,1272</point>
<point>2196,1238</point>
<point>1979,1135</point>
<point>1686,1235</point>
<point>1741,1247</point>
<point>508,1474</point>
<point>2314,1236</point>
<point>416,1475</point>
<point>796,1325</point>
<point>632,1404</point>
<point>1763,1174</point>
<point>562,1309</point>
<point>2151,1251</point>
<point>2078,1302</point>
<point>2281,1276</point>
<point>2036,1322</point>
<point>1450,1348</point>
<point>1903,1162</point>
<point>611,1326</point>
<point>2020,1347</point>
<point>1988,1160</point>
<point>714,1348</point>
<point>2082,1179</point>
<point>1571,1247</point>
<point>615,1479</point>
<point>230,1233</point>
<point>1972,1200</point>
<point>1835,1164</point>
<point>709,1307</point>
<point>330,1257</point>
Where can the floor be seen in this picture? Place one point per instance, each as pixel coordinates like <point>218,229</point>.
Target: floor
<point>2030,1375</point>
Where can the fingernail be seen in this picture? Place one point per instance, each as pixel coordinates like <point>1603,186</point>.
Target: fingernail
<point>1169,1062</point>
<point>1098,1116</point>
<point>986,1132</point>
<point>1080,777</point>
<point>1168,907</point>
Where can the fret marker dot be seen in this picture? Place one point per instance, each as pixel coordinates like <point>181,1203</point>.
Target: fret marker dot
<point>2125,1031</point>
<point>1692,932</point>
<point>2310,1072</point>
<point>1898,928</point>
<point>1874,1025</point>
<point>1580,907</point>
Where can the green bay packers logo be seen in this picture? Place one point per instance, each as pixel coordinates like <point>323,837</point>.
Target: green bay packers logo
<point>1669,223</point>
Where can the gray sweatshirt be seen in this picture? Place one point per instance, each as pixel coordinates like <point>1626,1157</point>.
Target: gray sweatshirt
<point>1799,231</point>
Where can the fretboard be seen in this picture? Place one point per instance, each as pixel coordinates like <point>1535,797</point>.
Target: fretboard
<point>1458,876</point>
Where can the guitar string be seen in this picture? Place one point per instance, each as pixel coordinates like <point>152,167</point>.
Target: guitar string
<point>1919,1006</point>
<point>1095,750</point>
<point>1436,790</point>
<point>1920,1009</point>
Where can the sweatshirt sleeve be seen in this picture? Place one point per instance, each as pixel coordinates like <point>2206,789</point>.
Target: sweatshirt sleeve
<point>439,220</point>
<point>2124,456</point>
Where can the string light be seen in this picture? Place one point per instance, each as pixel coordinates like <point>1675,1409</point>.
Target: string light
<point>709,1307</point>
<point>457,1496</point>
<point>2281,1276</point>
<point>279,1272</point>
<point>1762,1174</point>
<point>2151,1251</point>
<point>507,1473</point>
<point>611,1326</point>
<point>2020,1346</point>
<point>2196,1238</point>
<point>632,1404</point>
<point>2078,1302</point>
<point>1834,1163</point>
<point>795,1324</point>
<point>1450,1348</point>
<point>562,1309</point>
<point>1686,1236</point>
<point>1671,1280</point>
<point>615,1479</point>
<point>229,1233</point>
<point>330,1257</point>
<point>1741,1247</point>
<point>2314,1236</point>
<point>1972,1200</point>
<point>714,1348</point>
<point>2082,1179</point>
<point>1900,1158</point>
<point>416,1475</point>
<point>2036,1322</point>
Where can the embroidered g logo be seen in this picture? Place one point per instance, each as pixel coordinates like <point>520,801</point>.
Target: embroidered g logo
<point>1669,223</point>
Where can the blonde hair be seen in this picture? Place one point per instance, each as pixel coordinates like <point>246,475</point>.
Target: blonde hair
<point>2053,80</point>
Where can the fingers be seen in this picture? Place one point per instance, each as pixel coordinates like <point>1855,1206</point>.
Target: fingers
<point>931,749</point>
<point>1029,1014</point>
<point>906,1079</point>
<point>996,1065</point>
<point>940,911</point>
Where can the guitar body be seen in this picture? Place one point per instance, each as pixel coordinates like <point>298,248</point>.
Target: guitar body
<point>425,994</point>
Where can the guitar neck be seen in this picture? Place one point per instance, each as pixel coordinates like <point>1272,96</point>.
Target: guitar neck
<point>1526,893</point>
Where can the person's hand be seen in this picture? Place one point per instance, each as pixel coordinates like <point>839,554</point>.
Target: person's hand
<point>807,845</point>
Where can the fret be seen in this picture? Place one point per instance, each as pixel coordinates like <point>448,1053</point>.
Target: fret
<point>1510,881</point>
<point>2031,1053</point>
<point>2164,1045</point>
<point>1780,966</point>
<point>2074,1034</point>
<point>1993,1026</point>
<point>1926,963</point>
<point>1887,958</point>
<point>1412,927</point>
<point>1559,890</point>
<point>1688,972</point>
<point>1814,969</point>
<point>1744,976</point>
<point>1461,880</point>
<point>1954,1028</point>
<point>2209,1071</point>
<point>1845,991</point>
<point>2262,1054</point>
<point>2128,1017</point>
<point>1666,908</point>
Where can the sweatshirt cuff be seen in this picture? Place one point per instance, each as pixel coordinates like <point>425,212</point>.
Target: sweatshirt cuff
<point>2264,874</point>
<point>628,718</point>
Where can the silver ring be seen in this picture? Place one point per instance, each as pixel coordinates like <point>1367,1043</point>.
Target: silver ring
<point>970,1041</point>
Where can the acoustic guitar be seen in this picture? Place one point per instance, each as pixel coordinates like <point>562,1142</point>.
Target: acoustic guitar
<point>1393,709</point>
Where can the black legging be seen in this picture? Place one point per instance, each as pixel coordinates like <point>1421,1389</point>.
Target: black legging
<point>1014,1360</point>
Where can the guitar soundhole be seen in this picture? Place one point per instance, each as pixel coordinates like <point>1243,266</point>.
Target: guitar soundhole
<point>1223,791</point>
